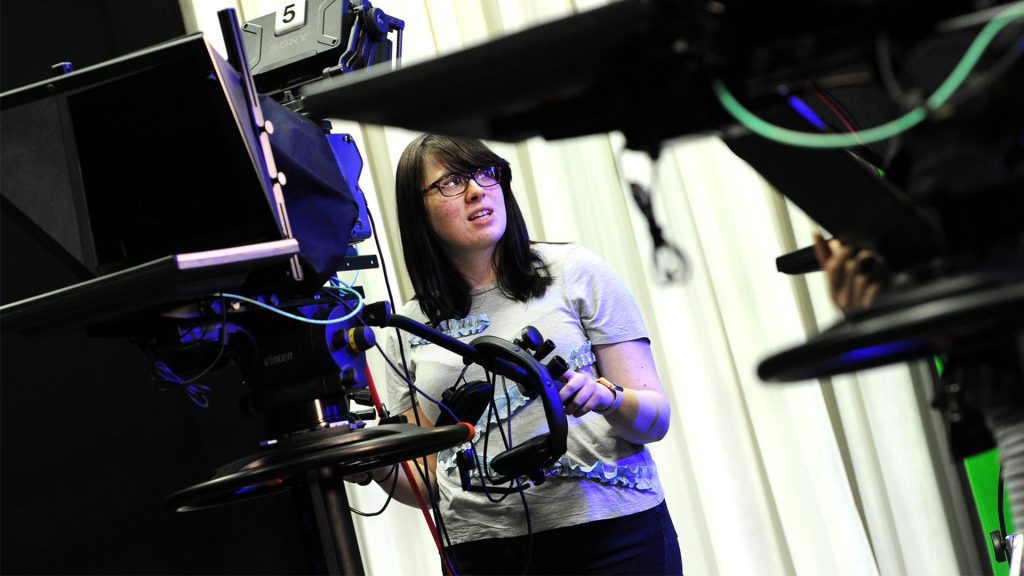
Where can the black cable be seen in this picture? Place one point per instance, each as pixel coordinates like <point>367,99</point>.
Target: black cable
<point>179,345</point>
<point>424,471</point>
<point>391,493</point>
<point>424,477</point>
<point>391,296</point>
<point>999,504</point>
<point>424,474</point>
<point>484,469</point>
<point>398,336</point>
<point>426,484</point>
<point>839,104</point>
<point>394,468</point>
<point>223,344</point>
<point>195,393</point>
<point>887,74</point>
<point>405,366</point>
<point>414,388</point>
<point>506,441</point>
<point>982,80</point>
<point>529,530</point>
<point>435,504</point>
<point>508,409</point>
<point>519,484</point>
<point>197,341</point>
<point>341,300</point>
<point>841,112</point>
<point>391,300</point>
<point>462,378</point>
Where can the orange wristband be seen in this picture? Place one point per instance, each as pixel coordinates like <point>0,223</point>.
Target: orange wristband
<point>618,395</point>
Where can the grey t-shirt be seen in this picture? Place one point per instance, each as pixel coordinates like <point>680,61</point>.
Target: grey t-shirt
<point>601,475</point>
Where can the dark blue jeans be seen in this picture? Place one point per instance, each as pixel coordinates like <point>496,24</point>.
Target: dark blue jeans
<point>644,543</point>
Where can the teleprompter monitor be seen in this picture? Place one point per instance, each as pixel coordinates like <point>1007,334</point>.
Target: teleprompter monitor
<point>126,168</point>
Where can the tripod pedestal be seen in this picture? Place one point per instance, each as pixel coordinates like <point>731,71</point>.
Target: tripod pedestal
<point>311,466</point>
<point>328,530</point>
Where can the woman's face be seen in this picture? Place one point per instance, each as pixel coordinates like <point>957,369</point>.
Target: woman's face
<point>469,223</point>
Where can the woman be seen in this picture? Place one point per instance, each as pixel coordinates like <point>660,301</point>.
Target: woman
<point>601,509</point>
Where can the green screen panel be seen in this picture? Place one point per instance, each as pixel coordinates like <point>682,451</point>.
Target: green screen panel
<point>983,475</point>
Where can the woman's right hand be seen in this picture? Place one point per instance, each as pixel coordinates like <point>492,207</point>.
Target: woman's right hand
<point>384,476</point>
<point>854,276</point>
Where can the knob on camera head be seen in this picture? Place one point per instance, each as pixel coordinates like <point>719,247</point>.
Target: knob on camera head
<point>531,339</point>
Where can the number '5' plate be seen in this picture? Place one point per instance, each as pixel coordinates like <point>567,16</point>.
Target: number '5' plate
<point>289,17</point>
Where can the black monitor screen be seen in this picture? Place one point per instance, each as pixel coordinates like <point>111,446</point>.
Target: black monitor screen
<point>164,168</point>
<point>142,157</point>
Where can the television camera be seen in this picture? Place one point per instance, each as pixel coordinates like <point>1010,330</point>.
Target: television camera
<point>898,129</point>
<point>935,192</point>
<point>216,240</point>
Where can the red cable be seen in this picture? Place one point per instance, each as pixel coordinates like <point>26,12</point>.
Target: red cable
<point>412,480</point>
<point>836,112</point>
<point>373,392</point>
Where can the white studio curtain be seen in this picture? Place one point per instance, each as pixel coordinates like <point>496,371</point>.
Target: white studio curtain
<point>849,475</point>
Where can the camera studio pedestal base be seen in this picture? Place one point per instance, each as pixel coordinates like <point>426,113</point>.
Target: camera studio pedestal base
<point>311,465</point>
<point>975,318</point>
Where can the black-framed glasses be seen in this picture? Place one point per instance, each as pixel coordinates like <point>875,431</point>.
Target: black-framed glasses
<point>455,184</point>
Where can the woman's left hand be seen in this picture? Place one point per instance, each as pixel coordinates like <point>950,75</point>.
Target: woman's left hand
<point>582,394</point>
<point>642,413</point>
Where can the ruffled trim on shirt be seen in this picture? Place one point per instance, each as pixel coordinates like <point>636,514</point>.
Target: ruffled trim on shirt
<point>581,357</point>
<point>636,477</point>
<point>457,328</point>
<point>504,406</point>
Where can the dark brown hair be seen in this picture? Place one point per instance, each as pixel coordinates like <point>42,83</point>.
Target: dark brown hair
<point>441,290</point>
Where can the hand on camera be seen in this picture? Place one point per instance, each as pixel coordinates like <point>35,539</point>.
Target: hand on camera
<point>581,393</point>
<point>854,276</point>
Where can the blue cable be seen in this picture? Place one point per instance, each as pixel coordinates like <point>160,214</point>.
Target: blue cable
<point>336,280</point>
<point>416,388</point>
<point>349,316</point>
<point>196,392</point>
<point>810,115</point>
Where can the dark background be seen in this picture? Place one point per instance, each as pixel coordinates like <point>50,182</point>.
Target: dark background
<point>89,446</point>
